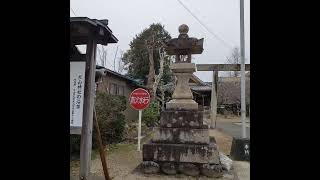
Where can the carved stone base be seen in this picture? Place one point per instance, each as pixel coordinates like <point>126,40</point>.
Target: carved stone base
<point>182,119</point>
<point>168,168</point>
<point>189,169</point>
<point>181,153</point>
<point>181,136</point>
<point>150,167</point>
<point>214,170</point>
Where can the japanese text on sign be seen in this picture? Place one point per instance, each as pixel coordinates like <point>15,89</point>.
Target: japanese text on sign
<point>139,99</point>
<point>246,149</point>
<point>77,78</point>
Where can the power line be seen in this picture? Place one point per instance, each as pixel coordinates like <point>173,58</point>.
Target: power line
<point>211,32</point>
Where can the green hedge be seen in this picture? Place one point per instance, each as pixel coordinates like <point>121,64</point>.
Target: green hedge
<point>109,110</point>
<point>151,115</point>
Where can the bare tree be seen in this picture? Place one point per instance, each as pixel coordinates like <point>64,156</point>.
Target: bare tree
<point>120,63</point>
<point>114,59</point>
<point>102,56</point>
<point>158,77</point>
<point>161,88</point>
<point>229,92</point>
<point>150,46</point>
<point>234,58</point>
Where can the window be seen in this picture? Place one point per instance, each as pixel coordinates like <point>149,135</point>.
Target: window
<point>120,90</point>
<point>113,89</point>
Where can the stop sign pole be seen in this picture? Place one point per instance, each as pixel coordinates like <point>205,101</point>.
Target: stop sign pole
<point>139,99</point>
<point>139,130</point>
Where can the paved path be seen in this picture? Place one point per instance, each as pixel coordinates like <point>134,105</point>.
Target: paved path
<point>232,129</point>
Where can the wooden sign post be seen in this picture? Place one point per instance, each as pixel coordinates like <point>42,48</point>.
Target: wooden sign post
<point>86,132</point>
<point>89,32</point>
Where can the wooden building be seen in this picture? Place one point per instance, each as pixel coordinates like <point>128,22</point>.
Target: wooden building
<point>120,85</point>
<point>201,92</point>
<point>228,93</point>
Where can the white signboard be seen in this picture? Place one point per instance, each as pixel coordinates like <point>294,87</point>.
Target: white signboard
<point>77,80</point>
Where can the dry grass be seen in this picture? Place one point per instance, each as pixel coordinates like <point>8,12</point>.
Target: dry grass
<point>124,158</point>
<point>223,141</point>
<point>229,118</point>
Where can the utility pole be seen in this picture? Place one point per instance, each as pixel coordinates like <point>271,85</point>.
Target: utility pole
<point>242,56</point>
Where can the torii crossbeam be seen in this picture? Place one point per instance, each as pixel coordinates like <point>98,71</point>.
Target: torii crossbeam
<point>215,68</point>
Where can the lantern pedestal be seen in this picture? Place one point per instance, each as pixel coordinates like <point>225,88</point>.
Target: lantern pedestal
<point>182,98</point>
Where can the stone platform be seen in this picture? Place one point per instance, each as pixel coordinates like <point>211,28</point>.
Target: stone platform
<point>182,144</point>
<point>203,154</point>
<point>182,104</point>
<point>181,136</point>
<point>182,118</point>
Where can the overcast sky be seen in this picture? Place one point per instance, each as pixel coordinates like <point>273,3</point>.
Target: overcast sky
<point>129,17</point>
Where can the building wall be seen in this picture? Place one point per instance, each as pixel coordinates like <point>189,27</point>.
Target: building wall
<point>130,114</point>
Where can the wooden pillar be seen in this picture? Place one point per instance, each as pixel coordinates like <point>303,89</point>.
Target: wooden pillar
<point>214,101</point>
<point>202,100</point>
<point>86,133</point>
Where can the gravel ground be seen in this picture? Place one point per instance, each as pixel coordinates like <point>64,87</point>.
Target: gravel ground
<point>243,169</point>
<point>123,160</point>
<point>122,163</point>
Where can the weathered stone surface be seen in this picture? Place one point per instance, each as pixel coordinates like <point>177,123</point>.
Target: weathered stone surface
<point>189,169</point>
<point>206,153</point>
<point>213,140</point>
<point>150,167</point>
<point>182,89</point>
<point>183,45</point>
<point>183,67</point>
<point>176,119</point>
<point>214,170</point>
<point>182,98</point>
<point>181,136</point>
<point>168,168</point>
<point>182,104</point>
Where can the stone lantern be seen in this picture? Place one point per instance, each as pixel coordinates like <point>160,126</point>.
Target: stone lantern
<point>183,47</point>
<point>182,144</point>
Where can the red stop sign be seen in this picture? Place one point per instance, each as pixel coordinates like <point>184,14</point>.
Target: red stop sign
<point>139,99</point>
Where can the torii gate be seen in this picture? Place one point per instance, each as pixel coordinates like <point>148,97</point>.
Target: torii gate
<point>215,68</point>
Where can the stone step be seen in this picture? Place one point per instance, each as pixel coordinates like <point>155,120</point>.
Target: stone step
<point>177,119</point>
<point>193,153</point>
<point>181,136</point>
